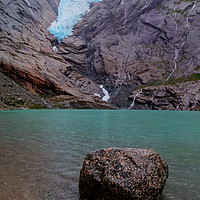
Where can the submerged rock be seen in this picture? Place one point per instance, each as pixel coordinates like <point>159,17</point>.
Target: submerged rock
<point>117,173</point>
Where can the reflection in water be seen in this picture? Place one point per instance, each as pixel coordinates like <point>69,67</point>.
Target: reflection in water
<point>41,151</point>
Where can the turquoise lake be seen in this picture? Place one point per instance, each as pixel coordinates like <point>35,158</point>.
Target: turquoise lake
<point>42,151</point>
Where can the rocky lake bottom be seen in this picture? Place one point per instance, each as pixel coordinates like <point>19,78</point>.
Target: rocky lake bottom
<point>42,151</point>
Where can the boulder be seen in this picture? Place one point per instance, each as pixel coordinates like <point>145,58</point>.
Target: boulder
<point>120,174</point>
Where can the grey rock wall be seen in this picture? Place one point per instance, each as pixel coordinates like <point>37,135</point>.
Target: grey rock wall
<point>137,43</point>
<point>26,52</point>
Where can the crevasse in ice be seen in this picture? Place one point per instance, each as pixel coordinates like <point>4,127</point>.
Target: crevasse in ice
<point>69,13</point>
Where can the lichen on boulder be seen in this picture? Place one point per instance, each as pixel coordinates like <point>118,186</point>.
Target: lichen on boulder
<point>123,174</point>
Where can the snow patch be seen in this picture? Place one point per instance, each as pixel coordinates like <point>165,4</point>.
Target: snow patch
<point>55,49</point>
<point>98,95</point>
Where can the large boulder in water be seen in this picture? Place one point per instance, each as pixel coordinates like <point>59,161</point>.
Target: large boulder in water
<point>120,174</point>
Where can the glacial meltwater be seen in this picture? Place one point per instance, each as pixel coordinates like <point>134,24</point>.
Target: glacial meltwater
<point>41,151</point>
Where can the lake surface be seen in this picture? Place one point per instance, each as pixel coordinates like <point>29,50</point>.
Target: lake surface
<point>41,151</point>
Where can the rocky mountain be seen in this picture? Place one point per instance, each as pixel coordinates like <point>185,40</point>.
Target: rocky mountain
<point>27,56</point>
<point>145,53</point>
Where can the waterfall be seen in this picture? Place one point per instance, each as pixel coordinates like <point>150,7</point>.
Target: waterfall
<point>187,18</point>
<point>118,82</point>
<point>176,53</point>
<point>133,103</point>
<point>106,96</point>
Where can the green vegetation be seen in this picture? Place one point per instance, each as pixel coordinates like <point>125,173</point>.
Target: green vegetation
<point>179,11</point>
<point>165,62</point>
<point>193,1</point>
<point>192,77</point>
<point>172,81</point>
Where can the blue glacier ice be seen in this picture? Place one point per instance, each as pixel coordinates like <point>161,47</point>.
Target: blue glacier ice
<point>69,13</point>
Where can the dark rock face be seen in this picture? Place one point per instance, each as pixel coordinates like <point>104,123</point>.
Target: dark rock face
<point>182,96</point>
<point>13,96</point>
<point>120,174</point>
<point>25,53</point>
<point>74,51</point>
<point>137,43</point>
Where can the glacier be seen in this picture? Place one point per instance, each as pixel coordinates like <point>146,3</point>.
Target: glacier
<point>69,13</point>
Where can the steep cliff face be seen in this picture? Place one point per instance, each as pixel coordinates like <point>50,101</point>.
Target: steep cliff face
<point>26,53</point>
<point>136,49</point>
<point>140,43</point>
<point>179,96</point>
